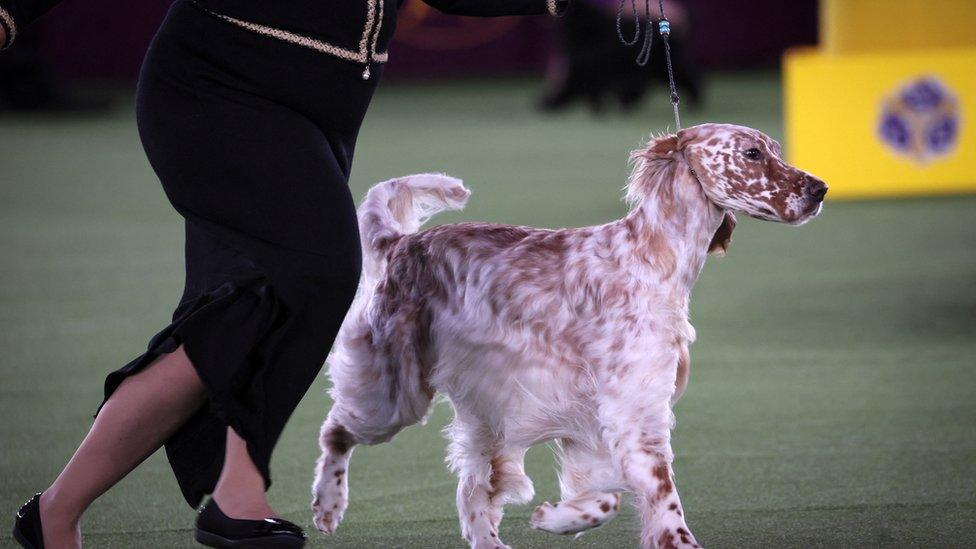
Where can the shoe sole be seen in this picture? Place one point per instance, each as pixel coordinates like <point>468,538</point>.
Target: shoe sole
<point>265,542</point>
<point>22,540</point>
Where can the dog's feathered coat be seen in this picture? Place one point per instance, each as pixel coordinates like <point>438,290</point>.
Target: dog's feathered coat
<point>576,335</point>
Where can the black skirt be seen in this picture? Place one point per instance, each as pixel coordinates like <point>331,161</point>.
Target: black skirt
<point>252,139</point>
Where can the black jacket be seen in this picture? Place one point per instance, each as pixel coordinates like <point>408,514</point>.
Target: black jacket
<point>355,30</point>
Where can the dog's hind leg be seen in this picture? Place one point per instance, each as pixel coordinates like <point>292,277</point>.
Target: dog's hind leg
<point>341,432</point>
<point>585,503</point>
<point>330,491</point>
<point>574,515</point>
<point>378,390</point>
<point>489,476</point>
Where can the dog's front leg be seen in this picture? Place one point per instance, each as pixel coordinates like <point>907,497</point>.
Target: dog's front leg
<point>478,516</point>
<point>489,475</point>
<point>637,419</point>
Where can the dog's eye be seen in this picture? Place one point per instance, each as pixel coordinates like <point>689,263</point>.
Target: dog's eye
<point>753,154</point>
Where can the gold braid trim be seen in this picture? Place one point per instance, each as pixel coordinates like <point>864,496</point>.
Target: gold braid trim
<point>8,22</point>
<point>376,33</point>
<point>370,14</point>
<point>553,7</point>
<point>311,43</point>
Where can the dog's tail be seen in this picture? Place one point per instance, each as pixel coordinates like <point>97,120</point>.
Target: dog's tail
<point>399,207</point>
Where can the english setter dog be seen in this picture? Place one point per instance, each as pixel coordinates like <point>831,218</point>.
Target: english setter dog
<point>578,336</point>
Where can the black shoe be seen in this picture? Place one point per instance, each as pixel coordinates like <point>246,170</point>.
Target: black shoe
<point>27,527</point>
<point>215,529</point>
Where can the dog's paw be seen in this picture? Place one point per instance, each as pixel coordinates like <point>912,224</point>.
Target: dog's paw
<point>481,535</point>
<point>491,545</point>
<point>564,519</point>
<point>679,538</point>
<point>545,517</point>
<point>329,500</point>
<point>326,516</point>
<point>488,543</point>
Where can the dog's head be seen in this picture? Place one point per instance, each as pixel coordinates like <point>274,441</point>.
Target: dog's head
<point>740,169</point>
<point>733,169</point>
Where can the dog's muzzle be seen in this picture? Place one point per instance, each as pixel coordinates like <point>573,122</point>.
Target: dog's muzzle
<point>816,189</point>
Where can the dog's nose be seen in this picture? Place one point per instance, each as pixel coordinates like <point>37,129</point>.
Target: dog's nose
<point>817,189</point>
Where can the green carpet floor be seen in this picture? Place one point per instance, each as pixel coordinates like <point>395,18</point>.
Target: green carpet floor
<point>833,393</point>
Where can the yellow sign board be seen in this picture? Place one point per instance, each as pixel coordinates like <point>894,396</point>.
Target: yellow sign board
<point>885,123</point>
<point>848,26</point>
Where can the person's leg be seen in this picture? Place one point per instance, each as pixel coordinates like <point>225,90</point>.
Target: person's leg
<point>141,414</point>
<point>240,489</point>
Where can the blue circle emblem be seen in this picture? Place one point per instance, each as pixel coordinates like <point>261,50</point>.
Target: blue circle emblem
<point>920,120</point>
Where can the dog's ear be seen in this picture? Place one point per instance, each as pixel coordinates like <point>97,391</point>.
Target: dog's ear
<point>658,148</point>
<point>663,146</point>
<point>685,136</point>
<point>723,236</point>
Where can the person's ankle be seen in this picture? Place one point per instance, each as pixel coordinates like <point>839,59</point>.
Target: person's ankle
<point>61,525</point>
<point>247,508</point>
<point>55,512</point>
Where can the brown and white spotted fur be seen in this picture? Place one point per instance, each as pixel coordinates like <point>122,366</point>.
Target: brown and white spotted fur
<point>578,336</point>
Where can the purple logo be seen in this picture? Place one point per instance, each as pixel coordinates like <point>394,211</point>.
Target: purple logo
<point>920,120</point>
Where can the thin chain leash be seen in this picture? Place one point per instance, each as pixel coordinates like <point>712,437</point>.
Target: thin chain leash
<point>644,56</point>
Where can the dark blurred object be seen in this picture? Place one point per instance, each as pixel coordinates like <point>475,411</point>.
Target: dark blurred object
<point>106,39</point>
<point>429,43</point>
<point>596,67</point>
<point>734,35</point>
<point>26,83</point>
<point>103,40</point>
